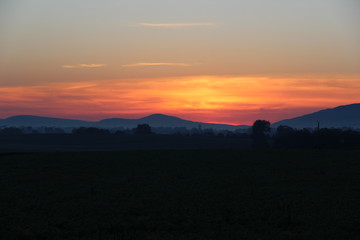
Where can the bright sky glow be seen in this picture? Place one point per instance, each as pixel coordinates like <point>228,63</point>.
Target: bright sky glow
<point>229,61</point>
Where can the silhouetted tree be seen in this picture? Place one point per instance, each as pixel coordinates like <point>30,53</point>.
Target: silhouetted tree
<point>142,129</point>
<point>300,139</point>
<point>283,137</point>
<point>284,130</point>
<point>120,132</point>
<point>350,139</point>
<point>323,138</point>
<point>329,138</point>
<point>11,131</point>
<point>260,129</point>
<point>90,131</point>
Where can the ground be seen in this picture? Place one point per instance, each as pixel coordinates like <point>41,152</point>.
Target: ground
<point>181,194</point>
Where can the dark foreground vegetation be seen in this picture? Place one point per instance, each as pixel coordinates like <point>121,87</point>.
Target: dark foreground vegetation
<point>259,136</point>
<point>113,142</point>
<point>204,194</point>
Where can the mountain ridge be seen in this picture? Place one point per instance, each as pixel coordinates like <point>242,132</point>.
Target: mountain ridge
<point>344,116</point>
<point>154,120</point>
<point>347,116</point>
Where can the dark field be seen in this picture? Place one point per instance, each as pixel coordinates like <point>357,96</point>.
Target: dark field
<point>180,194</point>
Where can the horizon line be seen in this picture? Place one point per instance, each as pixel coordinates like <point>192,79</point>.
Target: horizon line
<point>94,121</point>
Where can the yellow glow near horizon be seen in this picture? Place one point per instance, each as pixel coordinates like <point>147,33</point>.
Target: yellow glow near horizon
<point>236,100</point>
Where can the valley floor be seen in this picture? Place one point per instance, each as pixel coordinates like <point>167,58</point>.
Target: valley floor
<point>180,194</point>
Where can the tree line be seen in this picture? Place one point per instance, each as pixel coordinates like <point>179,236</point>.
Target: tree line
<point>260,134</point>
<point>286,137</point>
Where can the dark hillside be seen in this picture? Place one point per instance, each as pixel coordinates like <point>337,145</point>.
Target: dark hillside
<point>342,116</point>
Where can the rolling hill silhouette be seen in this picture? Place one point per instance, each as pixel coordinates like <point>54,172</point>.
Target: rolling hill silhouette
<point>338,117</point>
<point>37,121</point>
<point>161,120</point>
<point>155,120</point>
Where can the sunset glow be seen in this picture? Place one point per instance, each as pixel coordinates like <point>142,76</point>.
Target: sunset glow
<point>233,100</point>
<point>213,61</point>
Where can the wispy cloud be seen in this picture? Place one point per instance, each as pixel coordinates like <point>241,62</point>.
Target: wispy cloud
<point>198,24</point>
<point>93,65</point>
<point>149,64</point>
<point>235,99</point>
<point>231,99</point>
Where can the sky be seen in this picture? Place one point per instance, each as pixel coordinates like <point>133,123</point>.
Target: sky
<point>221,61</point>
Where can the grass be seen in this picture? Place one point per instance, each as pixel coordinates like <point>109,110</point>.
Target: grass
<point>180,194</point>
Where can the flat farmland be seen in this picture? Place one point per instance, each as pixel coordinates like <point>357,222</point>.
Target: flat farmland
<point>180,194</point>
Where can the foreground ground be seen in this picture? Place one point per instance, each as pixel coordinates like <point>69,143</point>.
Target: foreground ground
<point>183,194</point>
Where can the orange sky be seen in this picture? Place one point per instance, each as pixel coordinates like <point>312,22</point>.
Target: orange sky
<point>225,61</point>
<point>221,99</point>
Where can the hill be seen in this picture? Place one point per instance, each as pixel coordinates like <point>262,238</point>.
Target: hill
<point>161,120</point>
<point>343,116</point>
<point>155,120</point>
<point>37,121</point>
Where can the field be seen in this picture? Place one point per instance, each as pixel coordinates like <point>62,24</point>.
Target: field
<point>180,194</point>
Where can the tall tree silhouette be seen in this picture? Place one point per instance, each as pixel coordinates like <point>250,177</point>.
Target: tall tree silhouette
<point>260,129</point>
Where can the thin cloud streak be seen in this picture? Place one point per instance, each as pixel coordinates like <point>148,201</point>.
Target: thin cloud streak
<point>93,65</point>
<point>167,25</point>
<point>152,64</point>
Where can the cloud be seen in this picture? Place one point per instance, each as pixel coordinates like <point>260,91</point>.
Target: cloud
<point>93,65</point>
<point>199,24</point>
<point>222,99</point>
<point>147,64</point>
